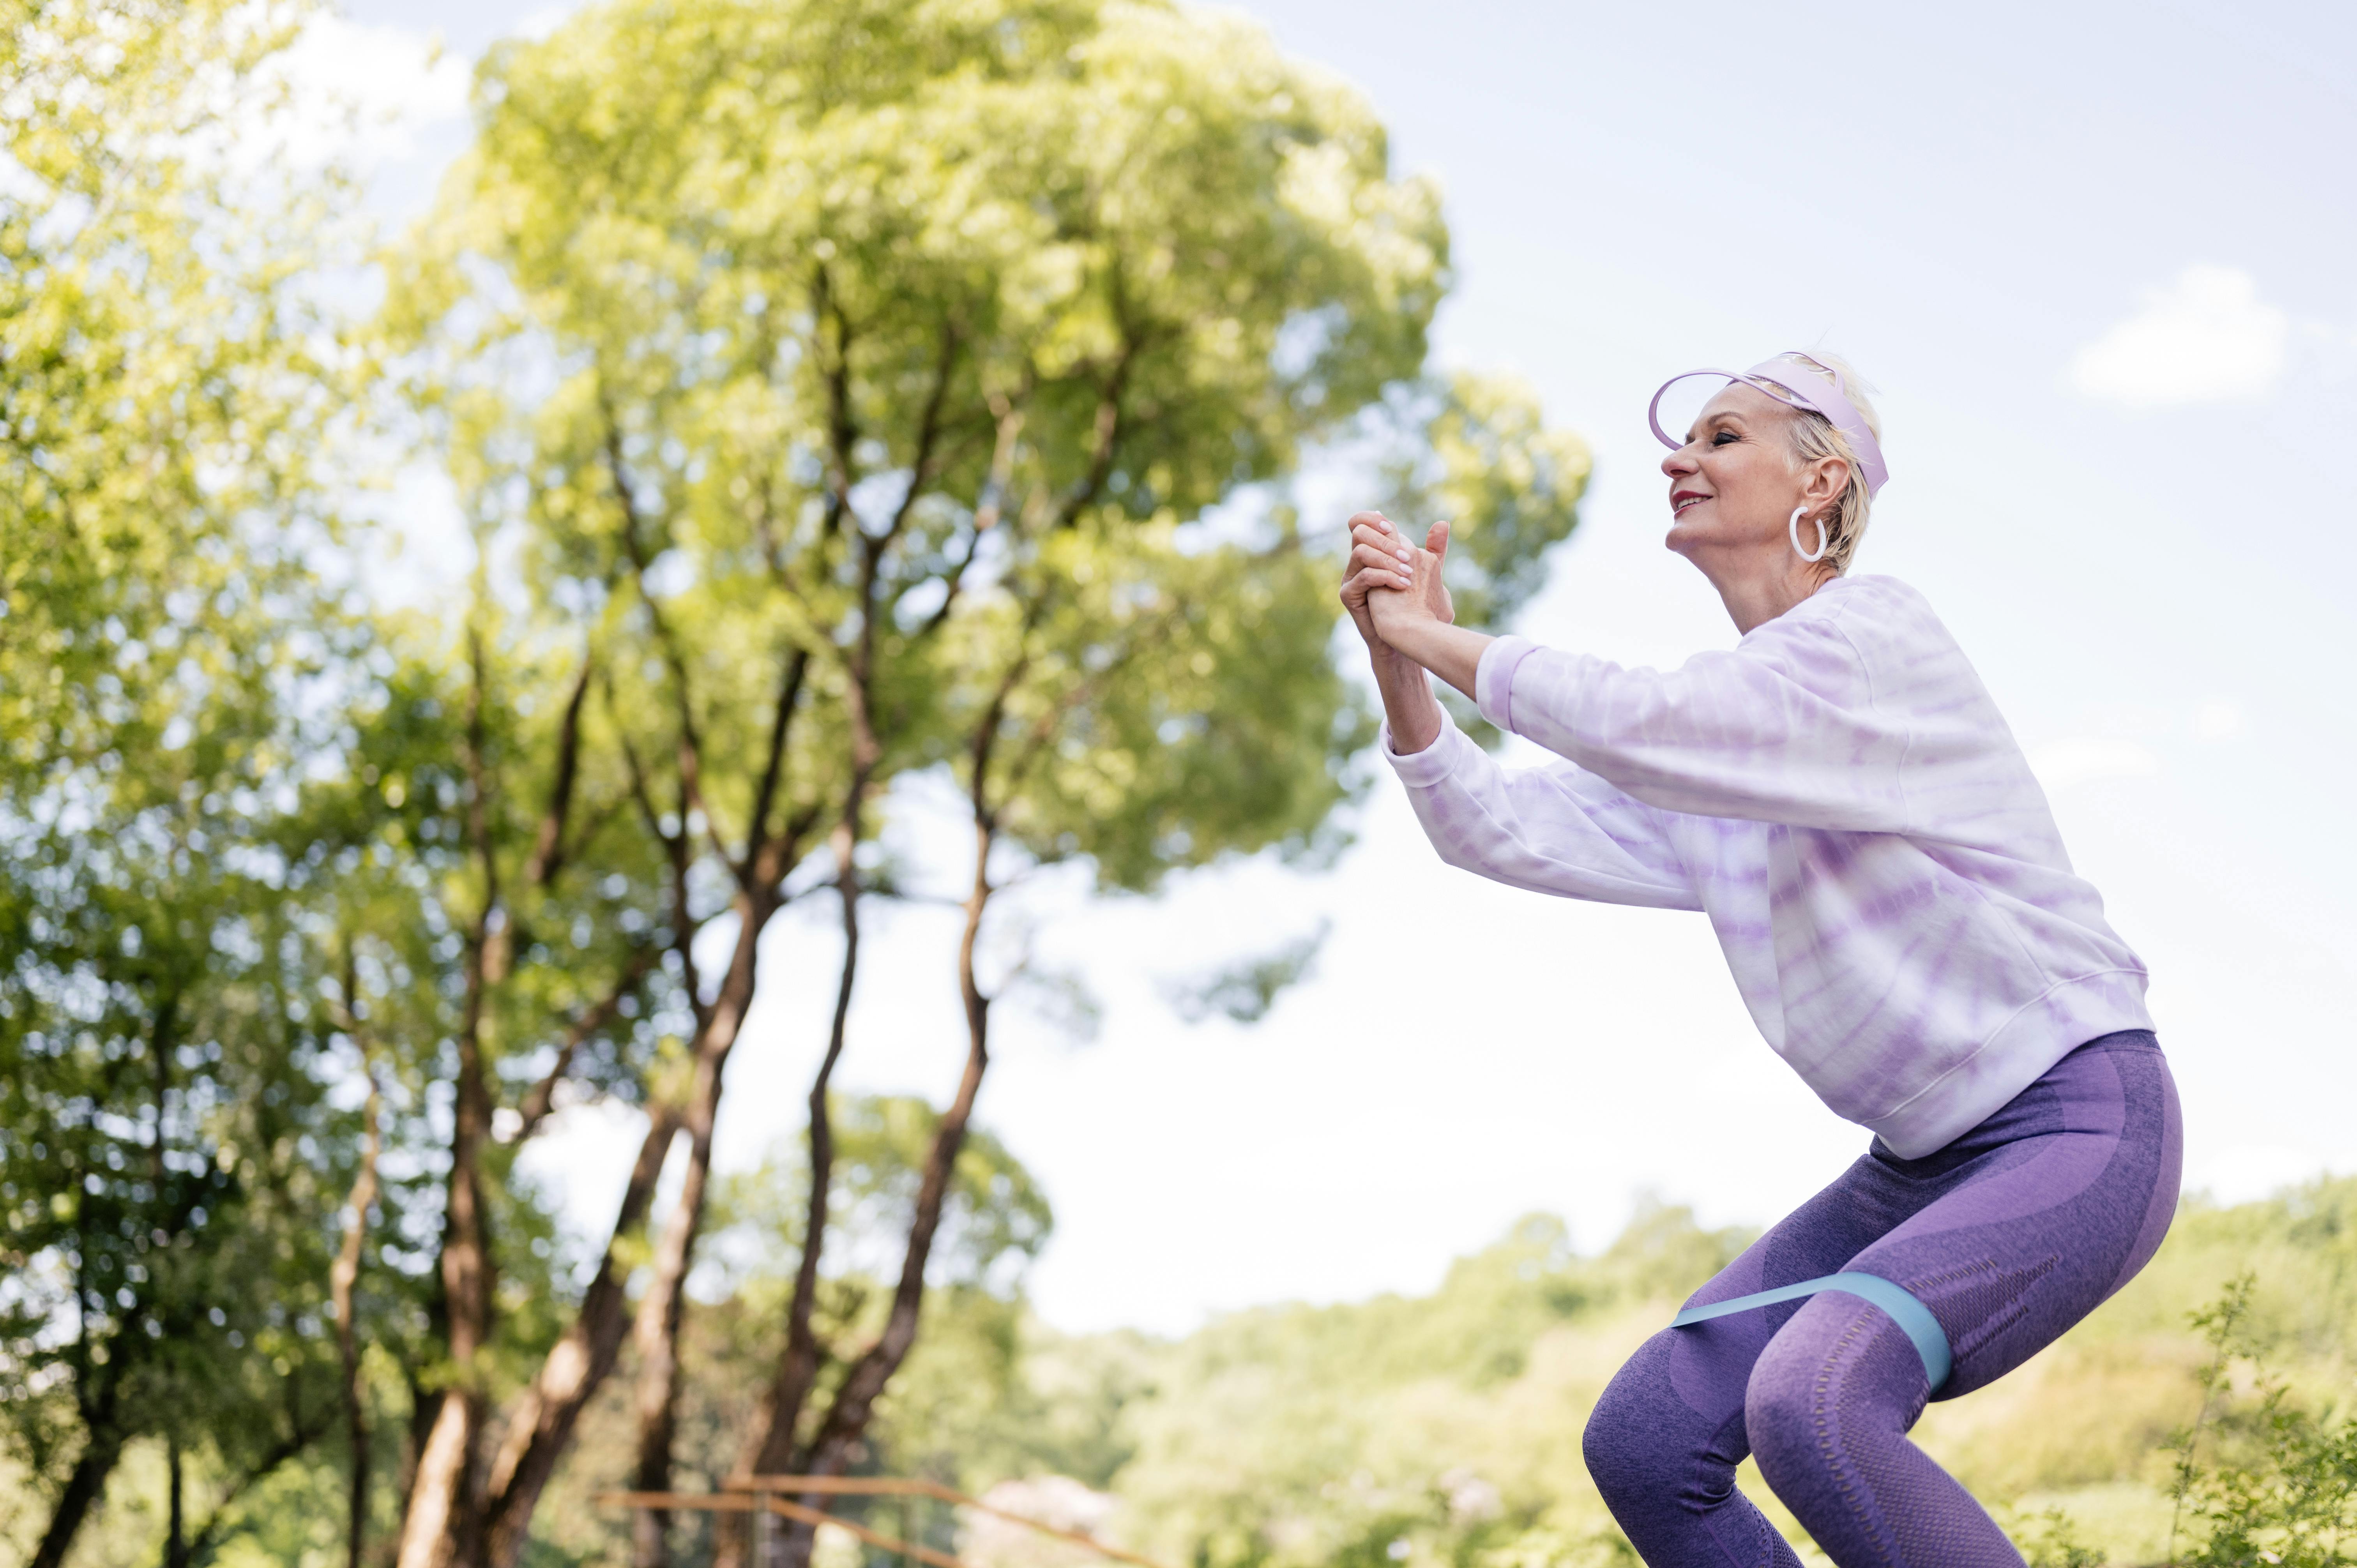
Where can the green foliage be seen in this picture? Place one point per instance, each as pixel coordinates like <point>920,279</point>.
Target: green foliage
<point>938,368</point>
<point>2054,1542</point>
<point>1450,1422</point>
<point>1293,1435</point>
<point>2277,1484</point>
<point>1485,458</point>
<point>1475,451</point>
<point>170,1158</point>
<point>1244,992</point>
<point>164,385</point>
<point>967,1386</point>
<point>1021,288</point>
<point>927,376</point>
<point>995,1223</point>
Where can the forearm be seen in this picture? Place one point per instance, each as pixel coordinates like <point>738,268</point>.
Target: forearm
<point>1409,707</point>
<point>1451,653</point>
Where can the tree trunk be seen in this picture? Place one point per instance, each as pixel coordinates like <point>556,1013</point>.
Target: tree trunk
<point>176,1526</point>
<point>538,1437</point>
<point>85,1485</point>
<point>662,1308</point>
<point>343,1281</point>
<point>771,1450</point>
<point>443,1527</point>
<point>443,1524</point>
<point>656,1336</point>
<point>440,1529</point>
<point>853,1406</point>
<point>770,1447</point>
<point>543,1420</point>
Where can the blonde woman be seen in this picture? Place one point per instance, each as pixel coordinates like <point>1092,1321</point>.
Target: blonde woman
<point>1839,795</point>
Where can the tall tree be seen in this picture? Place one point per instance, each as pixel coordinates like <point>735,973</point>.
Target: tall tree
<point>913,378</point>
<point>164,1133</point>
<point>884,308</point>
<point>836,387</point>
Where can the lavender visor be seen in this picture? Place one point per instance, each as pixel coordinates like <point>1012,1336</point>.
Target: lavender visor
<point>1777,378</point>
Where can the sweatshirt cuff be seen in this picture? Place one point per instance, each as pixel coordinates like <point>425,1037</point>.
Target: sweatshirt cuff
<point>1493,679</point>
<point>1422,769</point>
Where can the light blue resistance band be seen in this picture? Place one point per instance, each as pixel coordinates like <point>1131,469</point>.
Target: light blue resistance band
<point>1931,1339</point>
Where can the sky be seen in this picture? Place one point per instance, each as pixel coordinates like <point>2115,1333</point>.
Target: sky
<point>2096,259</point>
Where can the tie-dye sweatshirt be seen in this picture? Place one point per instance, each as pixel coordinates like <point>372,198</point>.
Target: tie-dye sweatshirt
<point>1841,797</point>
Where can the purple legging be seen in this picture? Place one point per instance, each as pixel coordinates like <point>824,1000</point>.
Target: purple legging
<point>2010,1234</point>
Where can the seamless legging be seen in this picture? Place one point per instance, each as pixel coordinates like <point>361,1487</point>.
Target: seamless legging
<point>2009,1235</point>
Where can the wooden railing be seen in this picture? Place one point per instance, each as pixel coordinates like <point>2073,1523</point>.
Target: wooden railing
<point>768,1498</point>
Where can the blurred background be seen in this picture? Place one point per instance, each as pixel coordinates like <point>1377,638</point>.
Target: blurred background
<point>542,384</point>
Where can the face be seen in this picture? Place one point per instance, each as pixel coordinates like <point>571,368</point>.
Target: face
<point>1734,484</point>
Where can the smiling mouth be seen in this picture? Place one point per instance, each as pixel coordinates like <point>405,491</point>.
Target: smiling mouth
<point>1681,504</point>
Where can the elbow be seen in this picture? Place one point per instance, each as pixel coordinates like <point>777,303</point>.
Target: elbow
<point>1498,862</point>
<point>1456,850</point>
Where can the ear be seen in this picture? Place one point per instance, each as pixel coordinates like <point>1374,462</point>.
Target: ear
<point>1828,479</point>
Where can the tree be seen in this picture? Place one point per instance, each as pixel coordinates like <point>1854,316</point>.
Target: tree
<point>466,954</point>
<point>163,393</point>
<point>933,369</point>
<point>835,389</point>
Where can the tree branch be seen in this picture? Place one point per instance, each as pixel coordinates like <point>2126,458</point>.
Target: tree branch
<point>343,1277</point>
<point>1009,415</point>
<point>1107,435</point>
<point>543,1422</point>
<point>548,847</point>
<point>929,433</point>
<point>843,433</point>
<point>691,742</point>
<point>540,1098</point>
<point>753,867</point>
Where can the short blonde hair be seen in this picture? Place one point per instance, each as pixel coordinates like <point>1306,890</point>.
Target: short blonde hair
<point>1814,438</point>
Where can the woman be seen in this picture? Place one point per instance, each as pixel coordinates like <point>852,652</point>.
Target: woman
<point>1842,799</point>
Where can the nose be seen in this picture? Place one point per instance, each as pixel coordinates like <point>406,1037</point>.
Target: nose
<point>1680,463</point>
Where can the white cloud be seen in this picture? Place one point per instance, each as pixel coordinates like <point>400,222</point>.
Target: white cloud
<point>2206,338</point>
<point>369,90</point>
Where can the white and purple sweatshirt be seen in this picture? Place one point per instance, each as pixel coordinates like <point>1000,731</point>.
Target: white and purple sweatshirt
<point>1841,797</point>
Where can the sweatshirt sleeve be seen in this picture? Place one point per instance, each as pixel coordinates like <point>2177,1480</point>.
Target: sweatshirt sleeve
<point>1550,829</point>
<point>1783,728</point>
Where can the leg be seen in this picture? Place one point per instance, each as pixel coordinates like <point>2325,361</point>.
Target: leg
<point>2032,1232</point>
<point>1667,1469</point>
<point>1665,1440</point>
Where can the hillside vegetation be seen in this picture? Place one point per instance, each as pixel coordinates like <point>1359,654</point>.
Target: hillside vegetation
<point>1444,1428</point>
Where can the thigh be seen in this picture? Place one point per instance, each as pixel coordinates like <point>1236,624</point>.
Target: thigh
<point>2008,1258</point>
<point>1709,1364</point>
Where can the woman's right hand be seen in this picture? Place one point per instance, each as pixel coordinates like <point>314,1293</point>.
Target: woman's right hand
<point>1380,562</point>
<point>1383,561</point>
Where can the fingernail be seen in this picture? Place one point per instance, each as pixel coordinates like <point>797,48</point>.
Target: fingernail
<point>1403,555</point>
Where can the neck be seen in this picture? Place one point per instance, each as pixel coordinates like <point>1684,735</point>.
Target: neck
<point>1758,590</point>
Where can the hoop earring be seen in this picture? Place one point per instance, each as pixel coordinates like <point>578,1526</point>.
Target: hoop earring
<point>1792,527</point>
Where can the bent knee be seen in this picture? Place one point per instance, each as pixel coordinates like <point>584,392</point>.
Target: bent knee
<point>1633,1441</point>
<point>1841,1373</point>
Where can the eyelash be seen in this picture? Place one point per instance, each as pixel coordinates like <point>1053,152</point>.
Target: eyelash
<point>1723,437</point>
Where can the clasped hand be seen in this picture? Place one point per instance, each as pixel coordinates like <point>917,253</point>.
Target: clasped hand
<point>1396,600</point>
<point>1391,587</point>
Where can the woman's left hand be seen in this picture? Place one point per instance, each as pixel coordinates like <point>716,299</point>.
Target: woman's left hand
<point>1425,598</point>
